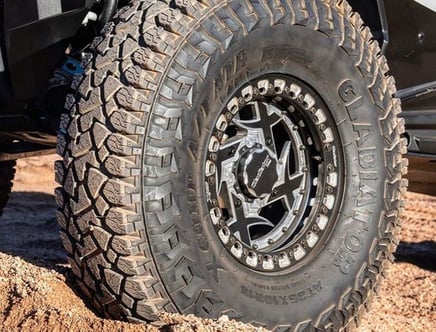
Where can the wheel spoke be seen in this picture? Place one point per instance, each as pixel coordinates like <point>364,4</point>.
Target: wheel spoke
<point>287,184</point>
<point>245,217</point>
<point>229,148</point>
<point>225,159</point>
<point>265,117</point>
<point>283,165</point>
<point>288,190</point>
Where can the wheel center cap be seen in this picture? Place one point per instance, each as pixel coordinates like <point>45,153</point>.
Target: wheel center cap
<point>257,173</point>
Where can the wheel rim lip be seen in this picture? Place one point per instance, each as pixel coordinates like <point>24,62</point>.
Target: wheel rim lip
<point>269,258</point>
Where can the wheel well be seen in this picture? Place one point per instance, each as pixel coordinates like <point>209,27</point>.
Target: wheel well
<point>372,13</point>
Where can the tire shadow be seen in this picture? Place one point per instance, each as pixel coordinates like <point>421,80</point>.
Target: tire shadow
<point>29,230</point>
<point>421,254</point>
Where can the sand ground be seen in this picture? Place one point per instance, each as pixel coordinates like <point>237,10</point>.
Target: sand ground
<point>37,290</point>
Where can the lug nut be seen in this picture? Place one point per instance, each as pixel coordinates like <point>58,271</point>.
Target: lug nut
<point>268,141</point>
<point>238,203</point>
<point>232,151</point>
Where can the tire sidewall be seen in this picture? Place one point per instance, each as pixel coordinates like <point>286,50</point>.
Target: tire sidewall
<point>321,282</point>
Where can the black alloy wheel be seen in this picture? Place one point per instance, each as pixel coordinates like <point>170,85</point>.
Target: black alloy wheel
<point>273,173</point>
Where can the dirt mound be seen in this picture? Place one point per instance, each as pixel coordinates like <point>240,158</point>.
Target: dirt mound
<point>37,289</point>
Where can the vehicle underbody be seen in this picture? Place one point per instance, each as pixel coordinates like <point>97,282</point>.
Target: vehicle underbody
<point>28,128</point>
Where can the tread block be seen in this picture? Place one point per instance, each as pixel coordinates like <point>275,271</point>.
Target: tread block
<point>126,245</point>
<point>140,287</point>
<point>95,181</point>
<point>126,122</point>
<point>101,237</point>
<point>120,221</point>
<point>132,100</point>
<point>132,265</point>
<point>113,280</point>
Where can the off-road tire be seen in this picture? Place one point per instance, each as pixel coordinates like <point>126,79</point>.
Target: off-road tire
<point>7,172</point>
<point>133,210</point>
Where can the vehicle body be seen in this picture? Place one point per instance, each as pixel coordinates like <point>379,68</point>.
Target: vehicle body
<point>42,45</point>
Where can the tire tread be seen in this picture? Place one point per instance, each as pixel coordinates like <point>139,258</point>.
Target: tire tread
<point>131,98</point>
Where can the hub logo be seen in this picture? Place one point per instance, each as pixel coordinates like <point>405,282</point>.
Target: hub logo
<point>263,167</point>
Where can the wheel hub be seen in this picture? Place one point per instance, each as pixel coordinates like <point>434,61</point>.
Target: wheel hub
<point>257,172</point>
